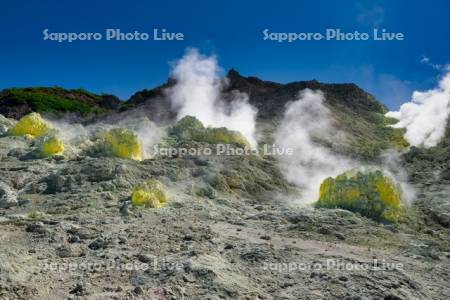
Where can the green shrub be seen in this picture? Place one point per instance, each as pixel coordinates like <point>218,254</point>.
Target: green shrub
<point>53,99</point>
<point>368,134</point>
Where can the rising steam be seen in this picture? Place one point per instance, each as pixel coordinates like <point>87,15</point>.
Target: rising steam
<point>197,92</point>
<point>76,134</point>
<point>305,120</point>
<point>425,117</point>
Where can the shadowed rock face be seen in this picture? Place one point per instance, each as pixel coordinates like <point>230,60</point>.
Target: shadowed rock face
<point>269,97</point>
<point>153,101</point>
<point>13,110</point>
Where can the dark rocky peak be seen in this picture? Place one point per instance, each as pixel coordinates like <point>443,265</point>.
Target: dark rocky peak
<point>146,94</point>
<point>152,103</point>
<point>110,102</point>
<point>270,97</point>
<point>249,84</point>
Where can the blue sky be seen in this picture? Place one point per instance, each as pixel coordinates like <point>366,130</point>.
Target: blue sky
<point>232,30</point>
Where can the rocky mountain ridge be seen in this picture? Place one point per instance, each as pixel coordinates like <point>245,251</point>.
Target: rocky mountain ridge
<point>16,102</point>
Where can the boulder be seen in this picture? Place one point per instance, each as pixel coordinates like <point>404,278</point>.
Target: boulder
<point>8,197</point>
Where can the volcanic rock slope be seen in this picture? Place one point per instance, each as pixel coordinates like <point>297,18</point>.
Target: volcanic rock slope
<point>232,229</point>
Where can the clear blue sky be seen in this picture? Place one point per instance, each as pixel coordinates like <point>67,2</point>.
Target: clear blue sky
<point>233,31</point>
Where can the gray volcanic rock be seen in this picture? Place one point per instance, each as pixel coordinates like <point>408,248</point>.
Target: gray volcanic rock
<point>248,240</point>
<point>8,197</point>
<point>233,227</point>
<point>5,124</point>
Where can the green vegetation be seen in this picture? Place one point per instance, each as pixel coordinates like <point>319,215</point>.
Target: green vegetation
<point>371,194</point>
<point>87,93</point>
<point>55,99</point>
<point>126,105</point>
<point>369,133</point>
<point>191,129</point>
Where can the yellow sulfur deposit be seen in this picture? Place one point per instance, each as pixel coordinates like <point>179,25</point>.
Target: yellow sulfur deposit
<point>224,136</point>
<point>372,194</point>
<point>52,146</point>
<point>190,128</point>
<point>150,194</point>
<point>122,142</point>
<point>32,125</point>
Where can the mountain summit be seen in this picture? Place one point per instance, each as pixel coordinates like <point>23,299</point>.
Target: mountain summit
<point>270,97</point>
<point>267,96</point>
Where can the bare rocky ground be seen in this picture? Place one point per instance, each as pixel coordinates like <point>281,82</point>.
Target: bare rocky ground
<point>67,231</point>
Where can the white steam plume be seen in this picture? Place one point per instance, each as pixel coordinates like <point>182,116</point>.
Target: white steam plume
<point>147,131</point>
<point>392,166</point>
<point>305,119</point>
<point>197,92</point>
<point>425,117</point>
<point>76,134</point>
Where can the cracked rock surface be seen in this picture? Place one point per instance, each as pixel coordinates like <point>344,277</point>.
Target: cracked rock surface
<point>68,231</point>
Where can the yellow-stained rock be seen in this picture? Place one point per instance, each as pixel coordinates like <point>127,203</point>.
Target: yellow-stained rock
<point>52,146</point>
<point>372,194</point>
<point>151,193</point>
<point>31,125</point>
<point>121,142</point>
<point>189,128</point>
